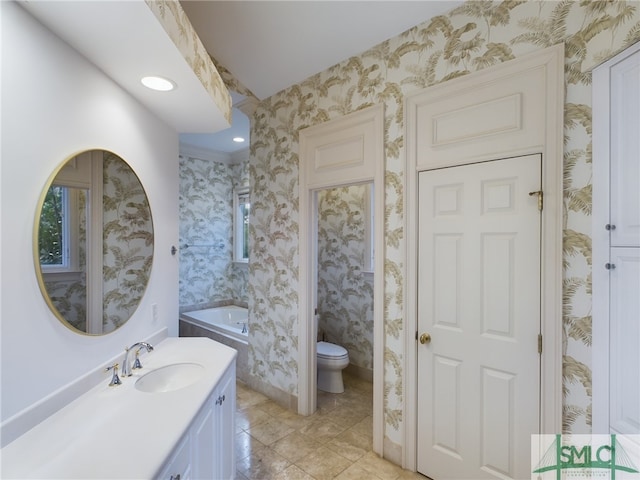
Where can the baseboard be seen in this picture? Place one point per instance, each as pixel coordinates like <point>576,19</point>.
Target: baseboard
<point>359,372</point>
<point>282,398</point>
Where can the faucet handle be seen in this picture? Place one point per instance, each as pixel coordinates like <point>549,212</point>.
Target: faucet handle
<point>115,380</point>
<point>136,363</point>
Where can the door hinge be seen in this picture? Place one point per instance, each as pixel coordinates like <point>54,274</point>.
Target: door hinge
<point>540,198</point>
<point>540,343</point>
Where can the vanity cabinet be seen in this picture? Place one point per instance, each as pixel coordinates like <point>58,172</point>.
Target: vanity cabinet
<point>186,419</point>
<point>206,451</point>
<point>224,411</point>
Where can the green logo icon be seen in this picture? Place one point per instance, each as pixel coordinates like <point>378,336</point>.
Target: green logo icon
<point>591,457</point>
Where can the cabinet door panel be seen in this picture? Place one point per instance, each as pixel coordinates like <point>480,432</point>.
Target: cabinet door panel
<point>203,445</point>
<point>179,466</point>
<point>625,152</point>
<point>225,419</point>
<point>624,340</point>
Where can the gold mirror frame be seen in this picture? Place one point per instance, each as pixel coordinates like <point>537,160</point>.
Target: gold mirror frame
<point>119,266</point>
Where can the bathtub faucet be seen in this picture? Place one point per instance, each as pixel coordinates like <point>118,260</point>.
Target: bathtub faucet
<point>244,326</point>
<point>126,368</point>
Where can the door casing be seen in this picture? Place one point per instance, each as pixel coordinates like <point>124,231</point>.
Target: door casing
<point>528,93</point>
<point>345,151</point>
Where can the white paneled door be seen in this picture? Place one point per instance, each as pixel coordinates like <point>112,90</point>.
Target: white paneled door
<point>479,318</point>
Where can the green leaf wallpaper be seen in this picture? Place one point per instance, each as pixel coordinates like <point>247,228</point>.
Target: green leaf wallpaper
<point>473,36</point>
<point>345,292</point>
<point>127,241</point>
<point>208,276</point>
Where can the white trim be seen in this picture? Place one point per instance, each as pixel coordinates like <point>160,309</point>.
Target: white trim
<point>95,246</point>
<point>600,241</point>
<point>373,119</point>
<point>551,123</point>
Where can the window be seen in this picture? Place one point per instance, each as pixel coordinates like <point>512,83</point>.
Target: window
<point>59,232</point>
<point>241,208</point>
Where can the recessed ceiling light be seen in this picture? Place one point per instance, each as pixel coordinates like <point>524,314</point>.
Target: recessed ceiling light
<point>158,83</point>
<point>238,139</point>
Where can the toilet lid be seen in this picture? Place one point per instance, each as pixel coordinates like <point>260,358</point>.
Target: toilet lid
<point>326,349</point>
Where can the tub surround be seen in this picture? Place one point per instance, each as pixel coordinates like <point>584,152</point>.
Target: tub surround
<point>230,321</point>
<point>190,327</point>
<point>120,419</point>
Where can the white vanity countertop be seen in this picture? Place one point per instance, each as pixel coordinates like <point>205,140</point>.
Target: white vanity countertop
<point>119,432</point>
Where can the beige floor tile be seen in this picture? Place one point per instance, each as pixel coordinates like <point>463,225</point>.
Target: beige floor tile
<point>263,463</point>
<point>251,416</point>
<point>355,472</point>
<point>379,466</point>
<point>296,421</point>
<point>359,384</point>
<point>322,430</point>
<point>325,402</point>
<point>292,472</point>
<point>351,445</point>
<point>407,475</point>
<point>364,427</point>
<point>323,464</point>
<point>272,408</point>
<point>295,446</point>
<point>246,397</point>
<point>245,443</point>
<point>270,431</point>
<point>335,442</point>
<point>347,416</point>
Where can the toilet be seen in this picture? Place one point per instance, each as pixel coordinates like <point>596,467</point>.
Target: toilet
<point>331,360</point>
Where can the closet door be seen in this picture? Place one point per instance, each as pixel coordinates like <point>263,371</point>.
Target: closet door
<point>625,152</point>
<point>616,244</point>
<point>624,338</point>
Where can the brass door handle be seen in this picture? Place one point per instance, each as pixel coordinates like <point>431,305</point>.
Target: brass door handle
<point>425,338</point>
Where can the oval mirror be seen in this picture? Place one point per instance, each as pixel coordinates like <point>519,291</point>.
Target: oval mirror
<point>93,242</point>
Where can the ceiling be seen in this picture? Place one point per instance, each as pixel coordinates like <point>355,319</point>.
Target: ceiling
<point>126,41</point>
<point>266,45</point>
<point>269,45</point>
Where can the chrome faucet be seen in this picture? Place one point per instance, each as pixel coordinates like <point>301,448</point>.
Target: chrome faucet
<point>126,368</point>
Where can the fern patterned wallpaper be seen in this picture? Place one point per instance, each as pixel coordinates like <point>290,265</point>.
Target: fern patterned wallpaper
<point>345,293</point>
<point>208,276</point>
<point>128,242</point>
<point>175,22</point>
<point>474,36</point>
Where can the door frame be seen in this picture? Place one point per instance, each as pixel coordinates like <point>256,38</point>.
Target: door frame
<point>549,143</point>
<point>345,151</point>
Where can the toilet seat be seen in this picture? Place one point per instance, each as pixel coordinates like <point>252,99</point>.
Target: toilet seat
<point>331,351</point>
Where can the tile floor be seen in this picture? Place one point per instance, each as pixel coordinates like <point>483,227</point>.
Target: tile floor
<point>335,442</point>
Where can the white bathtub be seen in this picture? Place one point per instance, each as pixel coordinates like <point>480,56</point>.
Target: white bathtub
<point>230,321</point>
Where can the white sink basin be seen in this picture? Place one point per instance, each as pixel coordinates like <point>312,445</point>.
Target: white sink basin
<point>169,378</point>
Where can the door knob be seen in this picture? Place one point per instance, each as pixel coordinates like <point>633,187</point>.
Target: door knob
<point>425,338</point>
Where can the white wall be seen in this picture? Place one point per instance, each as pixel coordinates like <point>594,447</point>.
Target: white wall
<point>54,104</point>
